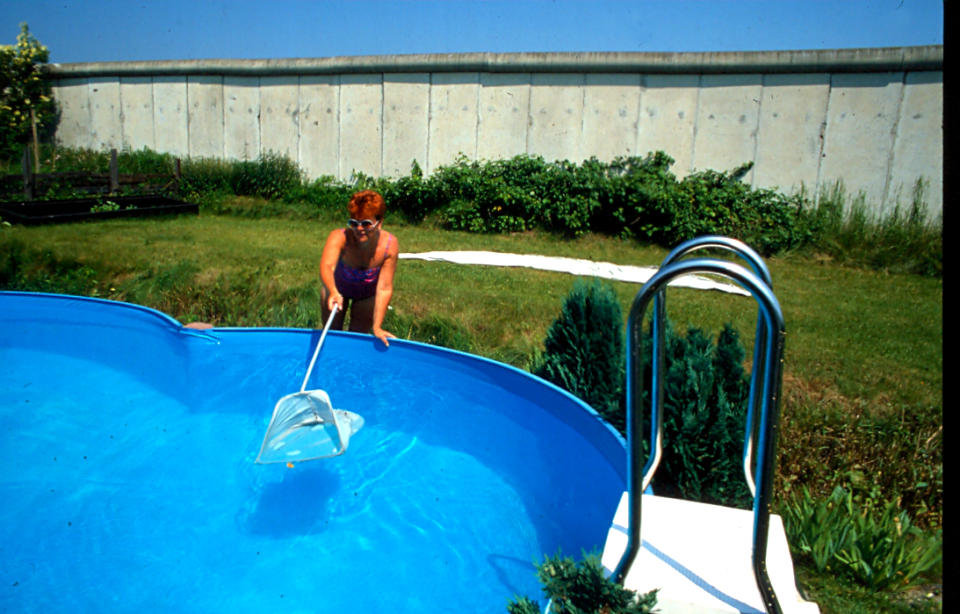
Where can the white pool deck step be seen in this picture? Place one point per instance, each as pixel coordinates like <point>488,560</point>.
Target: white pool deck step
<point>698,556</point>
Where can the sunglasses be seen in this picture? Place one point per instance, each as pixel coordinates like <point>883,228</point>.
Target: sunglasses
<point>365,224</point>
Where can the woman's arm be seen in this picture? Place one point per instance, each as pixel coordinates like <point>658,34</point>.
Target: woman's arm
<point>328,262</point>
<point>385,291</point>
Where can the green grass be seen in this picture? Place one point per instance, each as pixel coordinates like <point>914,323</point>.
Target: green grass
<point>863,382</point>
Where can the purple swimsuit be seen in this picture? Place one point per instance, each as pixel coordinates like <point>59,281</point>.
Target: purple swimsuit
<point>358,284</point>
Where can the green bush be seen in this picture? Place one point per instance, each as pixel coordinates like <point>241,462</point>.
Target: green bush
<point>705,400</point>
<point>584,350</point>
<point>582,588</point>
<point>705,392</point>
<point>877,549</point>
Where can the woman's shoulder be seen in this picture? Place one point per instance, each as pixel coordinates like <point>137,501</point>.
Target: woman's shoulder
<point>337,236</point>
<point>393,244</point>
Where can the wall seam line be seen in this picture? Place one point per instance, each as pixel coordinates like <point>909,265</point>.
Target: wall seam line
<point>824,129</point>
<point>894,137</point>
<point>756,133</point>
<point>696,127</point>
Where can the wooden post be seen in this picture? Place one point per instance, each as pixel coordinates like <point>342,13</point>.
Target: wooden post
<point>27,174</point>
<point>36,144</point>
<point>114,172</point>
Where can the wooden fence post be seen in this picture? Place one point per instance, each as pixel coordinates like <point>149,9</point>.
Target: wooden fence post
<point>27,174</point>
<point>114,172</point>
<point>36,143</point>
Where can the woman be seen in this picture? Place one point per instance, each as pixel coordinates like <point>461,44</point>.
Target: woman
<point>357,267</point>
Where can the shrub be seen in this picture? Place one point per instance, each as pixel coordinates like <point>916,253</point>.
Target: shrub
<point>705,400</point>
<point>410,195</point>
<point>705,392</point>
<point>584,350</point>
<point>879,550</point>
<point>582,588</point>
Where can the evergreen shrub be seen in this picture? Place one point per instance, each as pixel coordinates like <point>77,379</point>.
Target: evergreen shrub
<point>584,350</point>
<point>706,392</point>
<point>705,399</point>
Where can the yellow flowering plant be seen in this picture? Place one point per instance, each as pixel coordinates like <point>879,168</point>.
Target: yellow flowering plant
<point>23,88</point>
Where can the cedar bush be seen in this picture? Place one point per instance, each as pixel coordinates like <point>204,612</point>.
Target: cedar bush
<point>705,399</point>
<point>705,392</point>
<point>585,350</point>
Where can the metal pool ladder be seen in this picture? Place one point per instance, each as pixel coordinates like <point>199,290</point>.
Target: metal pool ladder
<point>760,440</point>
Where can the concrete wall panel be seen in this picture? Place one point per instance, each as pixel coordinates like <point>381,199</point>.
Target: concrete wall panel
<point>861,121</point>
<point>205,116</point>
<point>727,119</point>
<point>556,117</point>
<point>241,117</point>
<point>668,112</point>
<point>104,96</point>
<point>872,118</point>
<point>73,98</point>
<point>280,116</point>
<point>919,143</point>
<point>611,110</point>
<point>406,120</point>
<point>503,115</point>
<point>793,110</point>
<point>136,101</point>
<point>170,118</point>
<point>320,125</point>
<point>361,116</point>
<point>453,118</point>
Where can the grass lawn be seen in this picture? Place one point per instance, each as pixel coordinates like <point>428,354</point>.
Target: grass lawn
<point>864,356</point>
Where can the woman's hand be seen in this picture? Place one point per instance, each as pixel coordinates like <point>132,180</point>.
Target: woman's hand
<point>383,335</point>
<point>335,298</point>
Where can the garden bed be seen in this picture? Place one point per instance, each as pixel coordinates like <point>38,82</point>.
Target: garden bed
<point>84,209</point>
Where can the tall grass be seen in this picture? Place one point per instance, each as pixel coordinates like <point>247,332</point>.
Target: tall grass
<point>904,239</point>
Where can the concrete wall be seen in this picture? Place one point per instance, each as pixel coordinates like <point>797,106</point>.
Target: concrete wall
<point>872,118</point>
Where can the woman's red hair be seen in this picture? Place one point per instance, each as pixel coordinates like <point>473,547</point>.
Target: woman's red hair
<point>365,205</point>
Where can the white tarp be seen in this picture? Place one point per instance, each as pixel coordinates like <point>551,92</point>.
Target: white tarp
<point>574,266</point>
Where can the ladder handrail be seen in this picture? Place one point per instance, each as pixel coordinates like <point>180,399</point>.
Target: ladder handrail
<point>769,381</point>
<point>759,267</point>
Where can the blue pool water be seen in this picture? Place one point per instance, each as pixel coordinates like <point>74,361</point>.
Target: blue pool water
<point>128,481</point>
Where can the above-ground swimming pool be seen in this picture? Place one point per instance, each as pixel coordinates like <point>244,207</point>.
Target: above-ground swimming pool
<point>129,483</point>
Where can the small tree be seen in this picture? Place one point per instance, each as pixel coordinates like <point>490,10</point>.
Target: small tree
<point>584,350</point>
<point>22,90</point>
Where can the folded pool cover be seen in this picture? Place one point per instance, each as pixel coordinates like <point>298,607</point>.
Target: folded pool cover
<point>305,427</point>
